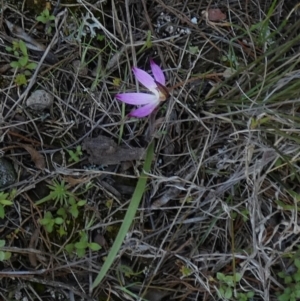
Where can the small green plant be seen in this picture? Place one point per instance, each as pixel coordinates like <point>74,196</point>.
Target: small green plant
<point>185,271</point>
<point>19,49</point>
<point>49,221</point>
<point>244,214</point>
<point>81,246</point>
<point>231,59</point>
<point>45,17</point>
<point>227,288</point>
<point>127,271</point>
<point>20,79</point>
<point>292,284</point>
<point>3,254</point>
<point>75,155</point>
<point>71,208</point>
<point>59,193</point>
<point>193,49</point>
<point>4,201</point>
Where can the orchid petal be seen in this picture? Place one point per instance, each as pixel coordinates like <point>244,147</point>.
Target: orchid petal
<point>144,78</point>
<point>137,98</point>
<point>158,73</point>
<point>144,111</point>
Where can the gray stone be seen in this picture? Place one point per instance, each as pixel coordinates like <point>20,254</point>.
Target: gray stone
<point>7,173</point>
<point>39,100</point>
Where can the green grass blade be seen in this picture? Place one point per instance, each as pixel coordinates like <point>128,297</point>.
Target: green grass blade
<point>130,214</point>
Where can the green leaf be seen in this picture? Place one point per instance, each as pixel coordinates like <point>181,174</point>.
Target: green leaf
<point>72,200</point>
<point>81,203</point>
<point>3,196</point>
<point>2,212</point>
<point>69,248</point>
<point>58,220</point>
<point>74,211</point>
<point>228,293</point>
<point>148,43</point>
<point>27,73</point>
<point>44,221</point>
<point>126,270</point>
<point>288,279</point>
<point>23,48</point>
<point>49,29</point>
<point>62,212</point>
<point>2,243</point>
<point>241,297</point>
<point>61,231</point>
<point>250,295</point>
<point>80,252</point>
<point>297,277</point>
<point>297,263</point>
<point>220,276</point>
<point>23,61</point>
<point>238,277</point>
<point>46,13</point>
<point>84,237</point>
<point>194,49</point>
<point>48,215</point>
<point>2,255</point>
<point>100,37</point>
<point>31,66</point>
<point>7,255</point>
<point>73,156</point>
<point>81,245</point>
<point>6,202</point>
<point>15,64</point>
<point>41,19</point>
<point>129,216</point>
<point>229,280</point>
<point>288,290</point>
<point>222,292</point>
<point>49,226</point>
<point>20,79</point>
<point>94,246</point>
<point>284,298</point>
<point>281,274</point>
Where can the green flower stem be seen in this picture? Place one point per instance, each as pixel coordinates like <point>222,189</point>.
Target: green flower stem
<point>130,214</point>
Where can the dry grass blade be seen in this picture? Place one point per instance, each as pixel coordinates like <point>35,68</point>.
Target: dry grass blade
<point>36,157</point>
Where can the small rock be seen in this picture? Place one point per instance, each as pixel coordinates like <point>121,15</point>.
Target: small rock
<point>81,69</point>
<point>40,100</point>
<point>7,173</point>
<point>194,20</point>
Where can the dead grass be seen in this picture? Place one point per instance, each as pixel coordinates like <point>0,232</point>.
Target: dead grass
<point>223,190</point>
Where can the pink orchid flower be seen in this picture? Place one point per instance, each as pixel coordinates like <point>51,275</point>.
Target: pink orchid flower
<point>155,84</point>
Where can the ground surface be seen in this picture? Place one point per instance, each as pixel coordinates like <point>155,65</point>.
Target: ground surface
<point>218,218</point>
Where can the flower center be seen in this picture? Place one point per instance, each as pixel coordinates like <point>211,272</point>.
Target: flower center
<point>163,92</point>
<point>162,95</point>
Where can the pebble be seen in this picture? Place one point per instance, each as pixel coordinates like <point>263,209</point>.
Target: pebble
<point>40,100</point>
<point>81,69</point>
<point>7,173</point>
